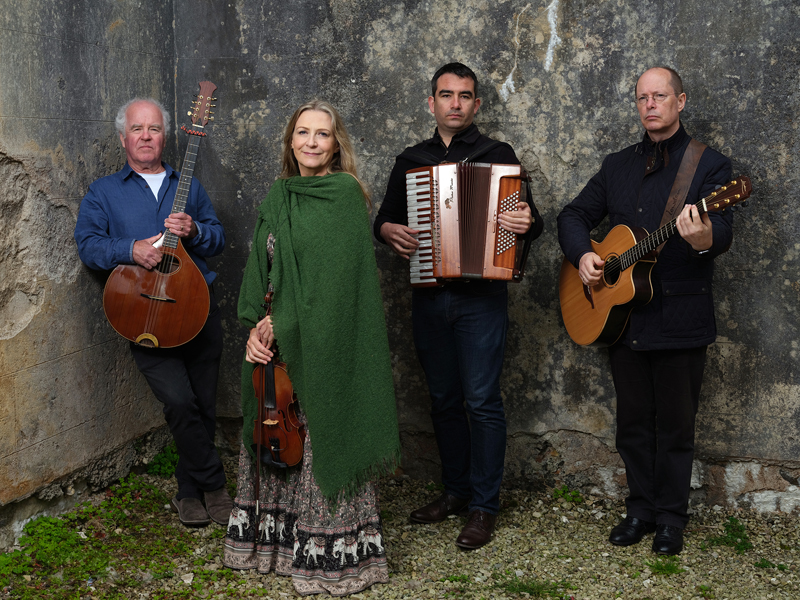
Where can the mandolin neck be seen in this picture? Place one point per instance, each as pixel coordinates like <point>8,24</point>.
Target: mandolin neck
<point>185,183</point>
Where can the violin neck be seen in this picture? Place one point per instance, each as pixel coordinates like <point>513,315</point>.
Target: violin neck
<point>268,374</point>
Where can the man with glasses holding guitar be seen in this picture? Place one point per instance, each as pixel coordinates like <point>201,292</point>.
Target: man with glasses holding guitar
<point>658,340</point>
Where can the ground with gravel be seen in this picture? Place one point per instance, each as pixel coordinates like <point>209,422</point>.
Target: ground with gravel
<point>544,547</point>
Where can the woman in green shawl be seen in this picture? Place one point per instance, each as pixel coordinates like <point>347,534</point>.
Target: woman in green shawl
<point>319,520</point>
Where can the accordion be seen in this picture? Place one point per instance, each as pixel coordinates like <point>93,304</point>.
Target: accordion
<point>454,206</point>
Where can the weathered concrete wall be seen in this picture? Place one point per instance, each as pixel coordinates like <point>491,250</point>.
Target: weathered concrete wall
<point>557,80</point>
<point>71,400</point>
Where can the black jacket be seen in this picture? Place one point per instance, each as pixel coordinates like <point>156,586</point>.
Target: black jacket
<point>681,313</point>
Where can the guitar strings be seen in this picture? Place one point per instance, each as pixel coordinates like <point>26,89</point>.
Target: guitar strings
<point>170,243</point>
<point>617,264</point>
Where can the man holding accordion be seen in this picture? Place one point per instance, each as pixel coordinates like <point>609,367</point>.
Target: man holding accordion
<point>459,324</point>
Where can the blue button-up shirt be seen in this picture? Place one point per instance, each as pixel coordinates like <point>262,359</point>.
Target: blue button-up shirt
<point>120,209</point>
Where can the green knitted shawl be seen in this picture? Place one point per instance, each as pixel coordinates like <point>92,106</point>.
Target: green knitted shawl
<point>329,325</point>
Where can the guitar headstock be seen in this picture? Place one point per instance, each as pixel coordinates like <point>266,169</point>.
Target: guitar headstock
<point>201,113</point>
<point>728,195</point>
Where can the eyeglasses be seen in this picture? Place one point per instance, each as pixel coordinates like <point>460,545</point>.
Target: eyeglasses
<point>657,98</point>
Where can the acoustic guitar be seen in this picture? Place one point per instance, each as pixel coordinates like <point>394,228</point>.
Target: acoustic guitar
<point>168,306</point>
<point>597,315</point>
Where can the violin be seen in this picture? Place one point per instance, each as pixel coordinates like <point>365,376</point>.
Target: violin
<point>277,427</point>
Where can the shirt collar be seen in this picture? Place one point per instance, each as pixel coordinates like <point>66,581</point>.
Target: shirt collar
<point>663,149</point>
<point>469,135</point>
<point>671,144</point>
<point>127,171</point>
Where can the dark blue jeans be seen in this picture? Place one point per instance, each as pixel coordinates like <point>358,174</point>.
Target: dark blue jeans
<point>460,336</point>
<point>184,380</point>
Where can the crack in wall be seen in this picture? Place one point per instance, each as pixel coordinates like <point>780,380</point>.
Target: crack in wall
<point>37,246</point>
<point>552,19</point>
<point>508,86</point>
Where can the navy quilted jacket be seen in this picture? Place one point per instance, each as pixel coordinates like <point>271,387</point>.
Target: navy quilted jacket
<point>681,313</point>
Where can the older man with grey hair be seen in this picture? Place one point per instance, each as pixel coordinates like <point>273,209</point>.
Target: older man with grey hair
<point>121,218</point>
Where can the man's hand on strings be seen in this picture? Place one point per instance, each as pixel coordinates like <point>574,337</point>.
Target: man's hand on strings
<point>145,254</point>
<point>590,269</point>
<point>695,229</point>
<point>181,225</point>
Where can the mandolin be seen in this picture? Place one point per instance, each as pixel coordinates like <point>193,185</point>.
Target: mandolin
<point>168,306</point>
<point>597,315</point>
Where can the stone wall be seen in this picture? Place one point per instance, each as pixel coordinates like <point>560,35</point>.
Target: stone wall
<point>71,400</point>
<point>557,81</point>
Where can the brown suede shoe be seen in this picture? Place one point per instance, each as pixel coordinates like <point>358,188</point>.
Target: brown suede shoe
<point>478,530</point>
<point>219,505</point>
<point>439,509</point>
<point>190,511</point>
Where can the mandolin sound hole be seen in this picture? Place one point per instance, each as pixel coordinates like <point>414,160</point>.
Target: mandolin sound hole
<point>611,270</point>
<point>169,264</point>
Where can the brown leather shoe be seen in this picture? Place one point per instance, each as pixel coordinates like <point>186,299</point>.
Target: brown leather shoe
<point>478,530</point>
<point>219,505</point>
<point>439,509</point>
<point>190,511</point>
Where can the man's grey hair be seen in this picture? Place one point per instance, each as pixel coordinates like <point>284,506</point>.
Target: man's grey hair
<point>120,120</point>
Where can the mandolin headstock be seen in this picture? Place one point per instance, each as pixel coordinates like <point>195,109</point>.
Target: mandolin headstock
<point>201,111</point>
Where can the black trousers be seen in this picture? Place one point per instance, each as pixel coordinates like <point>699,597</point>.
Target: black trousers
<point>658,392</point>
<point>184,380</point>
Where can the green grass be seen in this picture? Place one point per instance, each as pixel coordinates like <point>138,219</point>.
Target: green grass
<point>704,591</point>
<point>763,563</point>
<point>164,463</point>
<point>735,536</point>
<point>569,495</point>
<point>534,588</point>
<point>665,565</point>
<point>95,551</point>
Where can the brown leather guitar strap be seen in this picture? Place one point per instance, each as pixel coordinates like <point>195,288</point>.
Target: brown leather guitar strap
<point>683,181</point>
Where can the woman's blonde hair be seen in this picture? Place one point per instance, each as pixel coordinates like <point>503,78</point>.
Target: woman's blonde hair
<point>344,161</point>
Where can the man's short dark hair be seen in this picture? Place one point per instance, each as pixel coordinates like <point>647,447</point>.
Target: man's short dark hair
<point>457,69</point>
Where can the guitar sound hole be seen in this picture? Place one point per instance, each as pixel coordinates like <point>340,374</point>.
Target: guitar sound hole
<point>611,270</point>
<point>169,264</point>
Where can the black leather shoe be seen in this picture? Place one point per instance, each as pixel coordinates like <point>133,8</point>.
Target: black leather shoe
<point>439,509</point>
<point>478,530</point>
<point>630,531</point>
<point>668,540</point>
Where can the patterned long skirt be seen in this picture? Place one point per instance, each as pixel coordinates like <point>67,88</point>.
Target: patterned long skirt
<point>297,533</point>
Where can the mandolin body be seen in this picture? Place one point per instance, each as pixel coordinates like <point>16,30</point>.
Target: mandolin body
<point>162,308</point>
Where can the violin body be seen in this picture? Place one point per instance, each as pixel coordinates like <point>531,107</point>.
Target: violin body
<point>277,428</point>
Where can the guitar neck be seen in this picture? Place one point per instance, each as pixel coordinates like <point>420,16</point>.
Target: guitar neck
<point>723,197</point>
<point>655,239</point>
<point>185,183</point>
